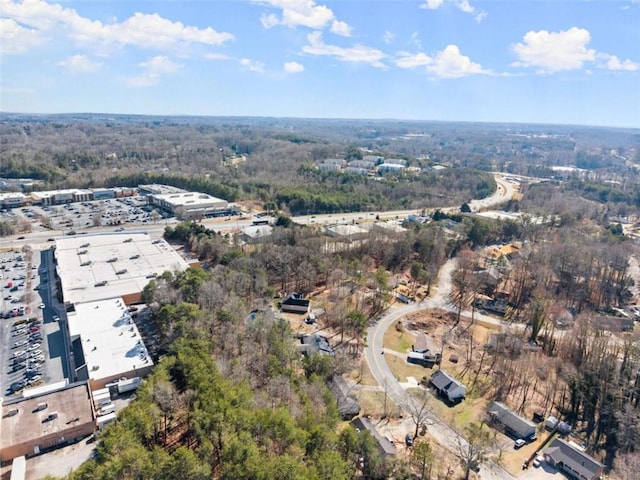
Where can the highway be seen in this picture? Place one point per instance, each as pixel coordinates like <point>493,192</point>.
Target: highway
<point>38,239</point>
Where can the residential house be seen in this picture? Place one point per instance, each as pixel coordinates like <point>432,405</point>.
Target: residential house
<point>348,405</point>
<point>385,446</point>
<point>447,386</point>
<point>512,422</point>
<point>313,343</point>
<point>296,303</point>
<point>572,460</point>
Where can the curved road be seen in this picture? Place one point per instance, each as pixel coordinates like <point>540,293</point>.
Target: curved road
<point>442,433</point>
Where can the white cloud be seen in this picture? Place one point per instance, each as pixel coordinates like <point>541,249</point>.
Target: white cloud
<point>215,56</point>
<point>415,39</point>
<point>79,64</point>
<point>341,28</point>
<point>252,65</point>
<point>611,62</point>
<point>462,5</point>
<point>407,60</point>
<point>448,63</point>
<point>388,37</point>
<point>554,51</point>
<point>139,30</point>
<point>293,67</point>
<point>355,54</point>
<point>305,13</point>
<point>15,39</point>
<point>432,4</point>
<point>153,70</point>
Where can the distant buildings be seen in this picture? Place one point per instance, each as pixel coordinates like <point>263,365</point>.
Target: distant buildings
<point>175,201</point>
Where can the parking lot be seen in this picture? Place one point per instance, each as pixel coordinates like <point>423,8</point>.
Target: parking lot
<point>72,217</point>
<point>31,344</point>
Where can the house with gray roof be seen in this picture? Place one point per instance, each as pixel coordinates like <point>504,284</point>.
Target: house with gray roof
<point>572,460</point>
<point>385,447</point>
<point>313,343</point>
<point>346,401</point>
<point>513,423</point>
<point>447,386</point>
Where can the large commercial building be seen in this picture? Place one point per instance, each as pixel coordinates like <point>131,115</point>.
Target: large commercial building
<point>106,343</point>
<point>98,267</point>
<point>187,205</point>
<point>34,424</point>
<point>12,199</point>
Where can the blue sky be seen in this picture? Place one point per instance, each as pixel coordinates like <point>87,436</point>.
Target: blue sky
<point>544,61</point>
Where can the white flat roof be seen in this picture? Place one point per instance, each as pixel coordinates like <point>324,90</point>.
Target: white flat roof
<point>190,199</point>
<point>135,260</point>
<point>258,231</point>
<point>111,342</point>
<point>345,230</point>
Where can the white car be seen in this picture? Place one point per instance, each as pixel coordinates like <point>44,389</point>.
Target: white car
<point>19,353</point>
<point>20,343</point>
<point>41,306</point>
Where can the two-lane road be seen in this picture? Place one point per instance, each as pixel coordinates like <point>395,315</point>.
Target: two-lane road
<point>442,433</point>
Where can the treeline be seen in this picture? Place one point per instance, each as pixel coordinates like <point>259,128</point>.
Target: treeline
<point>228,192</point>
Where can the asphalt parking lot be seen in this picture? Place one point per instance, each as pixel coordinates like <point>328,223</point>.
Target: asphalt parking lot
<point>31,343</point>
<point>73,217</point>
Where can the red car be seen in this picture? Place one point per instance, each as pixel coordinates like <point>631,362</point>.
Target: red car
<point>34,329</point>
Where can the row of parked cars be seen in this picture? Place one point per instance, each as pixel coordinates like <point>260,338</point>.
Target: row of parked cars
<point>27,355</point>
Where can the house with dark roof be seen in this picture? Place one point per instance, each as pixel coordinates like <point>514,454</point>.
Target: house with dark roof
<point>296,303</point>
<point>447,386</point>
<point>385,447</point>
<point>348,405</point>
<point>572,460</point>
<point>313,343</point>
<point>513,423</point>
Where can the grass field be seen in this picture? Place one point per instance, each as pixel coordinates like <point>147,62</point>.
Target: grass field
<point>398,341</point>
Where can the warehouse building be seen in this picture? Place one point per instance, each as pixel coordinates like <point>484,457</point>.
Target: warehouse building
<point>32,425</point>
<point>112,265</point>
<point>189,205</point>
<point>106,343</point>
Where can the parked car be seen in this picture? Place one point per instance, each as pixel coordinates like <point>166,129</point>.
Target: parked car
<point>519,443</point>
<point>408,440</point>
<point>16,387</point>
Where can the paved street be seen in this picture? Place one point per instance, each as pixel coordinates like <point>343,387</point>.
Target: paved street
<point>443,434</point>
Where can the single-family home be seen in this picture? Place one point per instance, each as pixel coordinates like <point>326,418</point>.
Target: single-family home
<point>385,447</point>
<point>295,302</point>
<point>572,460</point>
<point>512,422</point>
<point>346,401</point>
<point>447,386</point>
<point>314,343</point>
